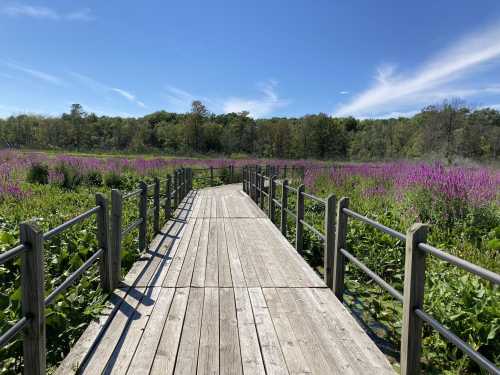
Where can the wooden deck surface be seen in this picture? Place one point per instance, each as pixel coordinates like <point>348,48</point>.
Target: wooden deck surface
<point>222,291</point>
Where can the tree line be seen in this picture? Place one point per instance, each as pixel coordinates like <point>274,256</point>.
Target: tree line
<point>448,130</point>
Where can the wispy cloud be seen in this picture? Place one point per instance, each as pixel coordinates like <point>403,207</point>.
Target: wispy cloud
<point>130,97</point>
<point>266,104</point>
<point>42,12</point>
<point>97,86</point>
<point>344,92</point>
<point>178,100</point>
<point>395,92</point>
<point>46,77</point>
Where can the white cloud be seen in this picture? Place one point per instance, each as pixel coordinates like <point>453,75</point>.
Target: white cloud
<point>259,107</point>
<point>101,87</point>
<point>35,73</point>
<point>42,12</point>
<point>179,100</point>
<point>344,92</point>
<point>30,11</point>
<point>393,92</point>
<point>127,95</point>
<point>90,82</point>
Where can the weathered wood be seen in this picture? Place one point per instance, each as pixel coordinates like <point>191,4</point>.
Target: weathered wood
<point>33,293</point>
<point>329,244</point>
<point>262,190</point>
<point>414,282</point>
<point>116,236</point>
<point>284,206</point>
<point>208,354</point>
<point>269,343</point>
<point>105,266</point>
<point>143,214</point>
<point>164,357</point>
<point>249,342</point>
<point>124,351</point>
<point>146,351</point>
<point>168,198</point>
<point>185,306</point>
<point>187,356</point>
<point>176,189</point>
<point>272,197</point>
<point>340,243</point>
<point>290,346</point>
<point>156,220</point>
<point>299,227</point>
<point>230,355</point>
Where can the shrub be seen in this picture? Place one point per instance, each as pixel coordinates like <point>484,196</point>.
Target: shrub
<point>71,179</point>
<point>93,178</point>
<point>113,180</point>
<point>38,174</point>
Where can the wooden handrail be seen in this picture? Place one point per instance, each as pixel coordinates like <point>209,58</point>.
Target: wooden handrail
<point>335,235</point>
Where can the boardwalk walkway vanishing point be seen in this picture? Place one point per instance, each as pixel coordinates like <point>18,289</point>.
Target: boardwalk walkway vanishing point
<point>220,290</point>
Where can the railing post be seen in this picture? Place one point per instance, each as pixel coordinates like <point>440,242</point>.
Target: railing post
<point>284,204</point>
<point>168,199</point>
<point>262,188</point>
<point>413,298</point>
<point>211,176</point>
<point>243,183</point>
<point>33,306</point>
<point>143,213</point>
<point>272,197</point>
<point>284,171</point>
<point>336,257</point>
<point>105,269</point>
<point>156,222</point>
<point>329,245</point>
<point>116,236</point>
<point>182,184</point>
<point>299,227</point>
<point>256,184</point>
<point>184,181</point>
<point>175,190</point>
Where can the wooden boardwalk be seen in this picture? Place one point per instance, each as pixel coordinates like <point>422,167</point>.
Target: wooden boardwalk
<point>220,290</point>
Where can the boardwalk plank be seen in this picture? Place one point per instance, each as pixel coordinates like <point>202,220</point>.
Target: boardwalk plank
<point>146,349</point>
<point>221,291</point>
<point>187,356</point>
<point>212,269</point>
<point>288,342</point>
<point>164,359</point>
<point>200,266</point>
<point>249,342</point>
<point>230,357</point>
<point>125,348</point>
<point>223,256</point>
<point>237,276</point>
<point>208,354</point>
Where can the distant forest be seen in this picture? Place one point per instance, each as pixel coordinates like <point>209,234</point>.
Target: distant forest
<point>448,131</point>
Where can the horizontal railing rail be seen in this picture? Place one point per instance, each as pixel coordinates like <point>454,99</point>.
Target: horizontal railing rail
<point>109,240</point>
<point>32,321</point>
<point>334,238</point>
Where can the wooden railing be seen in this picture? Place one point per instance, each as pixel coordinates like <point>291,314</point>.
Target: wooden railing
<point>260,184</point>
<point>109,238</point>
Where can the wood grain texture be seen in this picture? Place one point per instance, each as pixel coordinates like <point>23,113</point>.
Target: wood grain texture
<point>221,291</point>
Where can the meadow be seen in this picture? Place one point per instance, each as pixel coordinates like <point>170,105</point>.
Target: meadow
<point>462,205</point>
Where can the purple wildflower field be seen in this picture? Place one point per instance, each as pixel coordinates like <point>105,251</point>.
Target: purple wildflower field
<point>474,185</point>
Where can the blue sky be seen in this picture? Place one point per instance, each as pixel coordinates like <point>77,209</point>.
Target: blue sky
<point>363,58</point>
